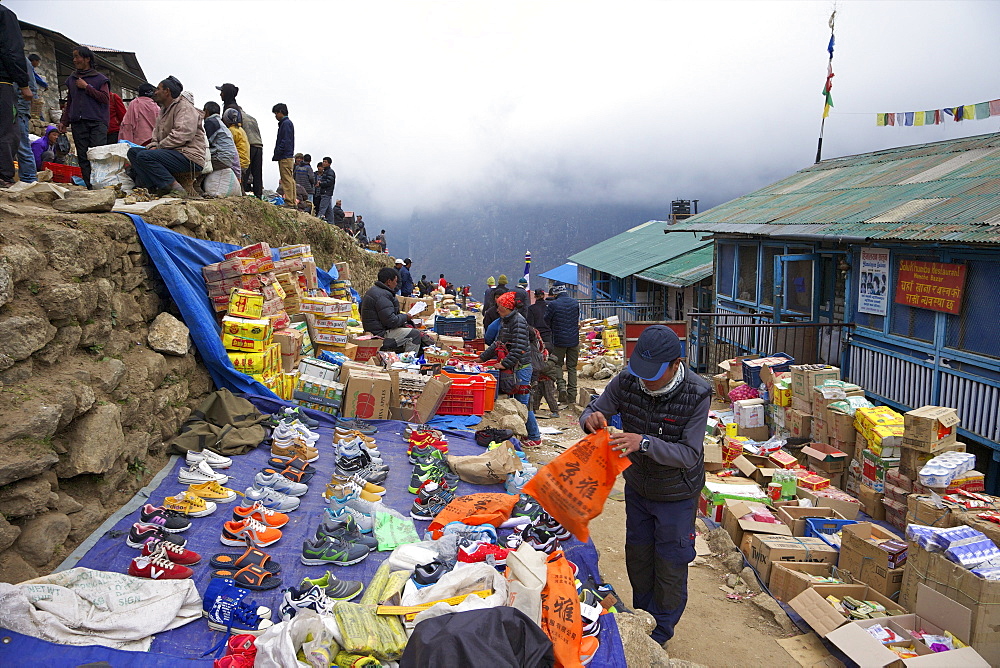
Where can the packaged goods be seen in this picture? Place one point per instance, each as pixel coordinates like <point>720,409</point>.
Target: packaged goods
<point>930,428</point>
<point>246,304</point>
<point>943,469</point>
<point>230,342</point>
<point>247,328</point>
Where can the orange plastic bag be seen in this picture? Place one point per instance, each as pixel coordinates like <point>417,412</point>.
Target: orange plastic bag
<point>574,486</point>
<point>474,509</point>
<point>561,611</point>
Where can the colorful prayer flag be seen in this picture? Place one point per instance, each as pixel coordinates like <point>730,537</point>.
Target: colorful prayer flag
<point>995,107</point>
<point>969,112</point>
<point>918,117</point>
<point>880,120</point>
<point>982,110</point>
<point>908,118</point>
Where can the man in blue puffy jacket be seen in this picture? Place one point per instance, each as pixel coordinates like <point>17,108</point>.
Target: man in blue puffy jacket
<point>563,317</point>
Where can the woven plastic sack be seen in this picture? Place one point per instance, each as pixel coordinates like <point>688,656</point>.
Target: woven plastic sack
<point>107,166</point>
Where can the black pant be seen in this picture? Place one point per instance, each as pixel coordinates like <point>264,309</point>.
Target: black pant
<point>112,138</point>
<point>86,135</point>
<point>253,176</point>
<point>10,131</point>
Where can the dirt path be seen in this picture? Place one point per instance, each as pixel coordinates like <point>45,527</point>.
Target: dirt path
<point>714,630</point>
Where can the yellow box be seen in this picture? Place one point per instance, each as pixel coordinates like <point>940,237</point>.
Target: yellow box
<point>240,344</point>
<point>246,328</point>
<point>611,339</point>
<point>274,353</point>
<point>249,363</point>
<point>782,396</point>
<point>246,304</point>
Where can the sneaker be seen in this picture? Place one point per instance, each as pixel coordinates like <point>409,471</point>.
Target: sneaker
<point>346,527</point>
<point>417,453</point>
<point>171,521</point>
<point>353,424</point>
<point>364,522</point>
<point>141,532</point>
<point>531,443</point>
<point>330,550</point>
<point>472,553</point>
<point>241,650</point>
<point>298,463</point>
<point>555,528</point>
<point>210,457</point>
<point>341,434</point>
<point>412,429</point>
<point>294,449</point>
<point>287,433</point>
<point>295,413</point>
<point>232,612</point>
<point>377,490</point>
<point>528,507</point>
<point>486,436</point>
<point>539,538</point>
<point>482,533</point>
<point>305,598</point>
<point>213,491</point>
<point>354,447</point>
<point>359,466</point>
<point>189,504</point>
<point>343,489</point>
<point>272,499</point>
<point>588,649</point>
<point>237,533</point>
<point>195,474</point>
<point>518,479</point>
<point>431,500</point>
<point>174,553</point>
<point>421,474</point>
<point>356,506</point>
<point>335,588</point>
<point>279,483</point>
<point>590,612</point>
<point>157,566</point>
<point>425,575</point>
<point>261,513</point>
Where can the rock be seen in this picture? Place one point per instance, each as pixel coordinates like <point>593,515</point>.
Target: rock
<point>93,442</point>
<point>750,580</point>
<point>86,520</point>
<point>18,373</point>
<point>41,536</point>
<point>65,341</point>
<point>22,335</point>
<point>680,663</point>
<point>86,201</point>
<point>25,497</point>
<point>719,541</point>
<point>169,335</point>
<point>85,398</point>
<point>640,649</point>
<point>6,284</point>
<point>95,335</point>
<point>12,210</point>
<point>60,300</point>
<point>22,261</point>
<point>32,422</point>
<point>24,459</point>
<point>602,374</point>
<point>14,569</point>
<point>770,606</point>
<point>67,504</point>
<point>109,374</point>
<point>515,424</point>
<point>125,309</point>
<point>8,533</point>
<point>732,562</point>
<point>588,370</point>
<point>732,580</point>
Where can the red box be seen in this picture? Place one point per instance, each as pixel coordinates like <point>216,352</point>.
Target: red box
<point>258,250</point>
<point>62,173</point>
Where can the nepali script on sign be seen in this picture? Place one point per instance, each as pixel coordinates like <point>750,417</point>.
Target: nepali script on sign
<point>930,285</point>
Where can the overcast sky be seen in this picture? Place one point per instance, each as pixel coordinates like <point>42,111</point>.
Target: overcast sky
<point>428,103</point>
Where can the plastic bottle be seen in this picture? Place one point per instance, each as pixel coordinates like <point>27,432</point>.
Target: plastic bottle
<point>762,392</point>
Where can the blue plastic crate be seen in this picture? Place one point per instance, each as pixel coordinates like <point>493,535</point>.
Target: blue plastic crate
<point>823,527</point>
<point>751,374</point>
<point>464,326</point>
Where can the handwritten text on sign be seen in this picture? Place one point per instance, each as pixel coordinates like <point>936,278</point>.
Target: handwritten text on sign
<point>930,285</point>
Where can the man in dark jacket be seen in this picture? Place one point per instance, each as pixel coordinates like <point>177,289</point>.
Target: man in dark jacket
<point>380,314</point>
<point>13,78</point>
<point>304,176</point>
<point>536,317</point>
<point>516,340</point>
<point>252,175</point>
<point>405,278</point>
<point>490,315</point>
<point>324,186</point>
<point>563,317</point>
<point>339,217</point>
<point>284,152</point>
<point>664,408</point>
<point>87,108</point>
<point>521,291</point>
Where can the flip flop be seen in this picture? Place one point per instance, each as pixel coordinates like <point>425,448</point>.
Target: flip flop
<point>250,577</point>
<point>252,556</point>
<point>295,475</point>
<point>295,462</point>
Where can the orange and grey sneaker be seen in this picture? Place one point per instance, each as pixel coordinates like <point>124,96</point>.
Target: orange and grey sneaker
<point>189,504</point>
<point>296,449</point>
<point>213,491</point>
<point>258,511</point>
<point>237,533</point>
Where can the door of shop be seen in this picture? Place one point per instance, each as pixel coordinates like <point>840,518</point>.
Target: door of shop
<point>796,287</point>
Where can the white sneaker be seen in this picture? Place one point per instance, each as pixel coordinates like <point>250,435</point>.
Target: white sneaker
<point>280,483</point>
<point>214,459</point>
<point>199,473</point>
<point>353,448</point>
<point>365,522</point>
<point>289,432</point>
<point>271,498</point>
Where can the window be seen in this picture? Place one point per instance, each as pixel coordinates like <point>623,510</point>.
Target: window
<point>747,272</point>
<point>767,274</point>
<point>974,329</point>
<point>799,286</point>
<point>726,269</point>
<point>914,323</point>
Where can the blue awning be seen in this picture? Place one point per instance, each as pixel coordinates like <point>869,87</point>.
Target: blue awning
<point>564,273</point>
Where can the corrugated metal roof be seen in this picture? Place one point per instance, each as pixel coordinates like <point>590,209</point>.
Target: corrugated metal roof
<point>943,191</point>
<point>683,270</point>
<point>637,249</point>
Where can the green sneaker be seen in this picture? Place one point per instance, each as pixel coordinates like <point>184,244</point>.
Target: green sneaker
<point>435,470</point>
<point>330,550</point>
<point>335,588</point>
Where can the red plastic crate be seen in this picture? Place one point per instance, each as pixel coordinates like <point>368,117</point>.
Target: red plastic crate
<point>62,173</point>
<point>476,345</point>
<point>467,395</point>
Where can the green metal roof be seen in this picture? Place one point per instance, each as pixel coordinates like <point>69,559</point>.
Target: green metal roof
<point>944,191</point>
<point>638,249</point>
<point>683,270</point>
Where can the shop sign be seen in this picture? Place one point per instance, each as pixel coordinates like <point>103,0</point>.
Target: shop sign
<point>873,285</point>
<point>931,285</point>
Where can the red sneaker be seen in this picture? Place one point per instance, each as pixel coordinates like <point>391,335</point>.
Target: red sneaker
<point>157,566</point>
<point>174,553</point>
<point>477,552</point>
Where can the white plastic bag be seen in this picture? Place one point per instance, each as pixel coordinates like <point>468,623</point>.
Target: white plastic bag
<point>222,183</point>
<point>526,578</point>
<point>279,644</point>
<point>107,166</point>
<point>465,580</point>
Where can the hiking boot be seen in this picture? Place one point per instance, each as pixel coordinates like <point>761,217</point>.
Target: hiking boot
<point>261,513</point>
<point>352,424</point>
<point>171,521</point>
<point>237,533</point>
<point>189,504</point>
<point>486,436</point>
<point>195,474</point>
<point>345,527</point>
<point>430,501</point>
<point>157,566</point>
<point>331,550</point>
<point>174,553</point>
<point>335,588</point>
<point>213,491</point>
<point>141,532</point>
<point>305,598</point>
<point>276,481</point>
<point>213,459</point>
<point>272,499</point>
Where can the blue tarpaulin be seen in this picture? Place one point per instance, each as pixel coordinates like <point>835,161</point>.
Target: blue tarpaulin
<point>564,273</point>
<point>179,260</point>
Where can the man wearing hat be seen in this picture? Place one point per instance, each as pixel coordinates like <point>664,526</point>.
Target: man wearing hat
<point>663,407</point>
<point>253,174</point>
<point>521,292</point>
<point>563,317</point>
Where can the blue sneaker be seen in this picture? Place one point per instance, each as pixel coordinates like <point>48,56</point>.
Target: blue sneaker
<point>228,609</point>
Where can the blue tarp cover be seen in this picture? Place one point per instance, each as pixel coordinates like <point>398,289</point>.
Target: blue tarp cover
<point>564,273</point>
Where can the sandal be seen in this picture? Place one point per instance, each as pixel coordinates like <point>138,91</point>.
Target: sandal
<point>295,475</point>
<point>252,556</point>
<point>250,577</point>
<point>295,462</point>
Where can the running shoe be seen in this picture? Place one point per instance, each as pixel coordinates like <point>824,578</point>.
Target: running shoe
<point>157,566</point>
<point>294,449</point>
<point>341,434</point>
<point>141,532</point>
<point>174,553</point>
<point>364,522</point>
<point>195,474</point>
<point>432,499</point>
<point>550,524</point>
<point>471,553</point>
<point>291,414</point>
<point>261,513</point>
<point>590,612</point>
<point>345,527</point>
<point>274,480</point>
<point>435,470</point>
<point>271,498</point>
<point>305,598</point>
<point>330,550</point>
<point>237,533</point>
<point>531,443</point>
<point>481,533</point>
<point>288,433</point>
<point>355,447</point>
<point>334,587</point>
<point>213,491</point>
<point>486,436</point>
<point>171,521</point>
<point>424,575</point>
<point>189,504</point>
<point>518,479</point>
<point>344,489</point>
<point>356,507</point>
<point>361,467</point>
<point>212,458</point>
<point>365,486</point>
<point>353,424</point>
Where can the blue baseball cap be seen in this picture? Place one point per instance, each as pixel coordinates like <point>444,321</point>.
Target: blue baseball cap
<point>656,348</point>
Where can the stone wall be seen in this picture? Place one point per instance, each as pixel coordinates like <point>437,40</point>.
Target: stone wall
<point>90,391</point>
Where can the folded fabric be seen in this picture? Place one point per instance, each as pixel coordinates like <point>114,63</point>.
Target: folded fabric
<point>82,606</point>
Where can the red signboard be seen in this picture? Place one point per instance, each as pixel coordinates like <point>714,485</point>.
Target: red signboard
<point>930,285</point>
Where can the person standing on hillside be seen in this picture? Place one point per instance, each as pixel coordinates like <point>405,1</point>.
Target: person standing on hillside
<point>380,240</point>
<point>304,176</point>
<point>339,217</point>
<point>563,317</point>
<point>253,180</point>
<point>231,118</point>
<point>325,186</point>
<point>26,169</point>
<point>490,284</point>
<point>87,108</point>
<point>13,80</point>
<point>116,115</point>
<point>284,152</point>
<point>405,278</point>
<point>140,117</point>
<point>664,407</point>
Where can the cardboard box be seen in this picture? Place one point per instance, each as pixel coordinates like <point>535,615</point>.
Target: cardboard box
<point>734,367</point>
<point>713,454</point>
<point>720,383</point>
<point>874,469</point>
<point>430,399</point>
<point>813,607</point>
<point>822,395</point>
<point>930,428</point>
<point>754,433</point>
<point>802,404</point>
<point>451,342</point>
<point>871,501</point>
<point>798,423</point>
<point>717,490</point>
<point>759,474</point>
<point>428,309</point>
<point>367,348</point>
<point>367,395</point>
<point>290,341</point>
<point>825,457</point>
<point>847,509</point>
<point>766,550</point>
<point>807,376</point>
<point>586,395</point>
<point>749,412</point>
<point>911,461</point>
<point>818,432</point>
<point>840,426</point>
<point>934,613</point>
<point>740,530</point>
<point>791,578</point>
<point>867,562</point>
<point>795,516</point>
